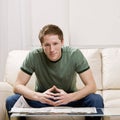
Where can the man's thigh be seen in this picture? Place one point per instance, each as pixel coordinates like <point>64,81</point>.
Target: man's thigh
<point>92,100</point>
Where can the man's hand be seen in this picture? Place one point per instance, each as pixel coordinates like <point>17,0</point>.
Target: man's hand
<point>47,97</point>
<point>61,97</point>
<point>55,97</point>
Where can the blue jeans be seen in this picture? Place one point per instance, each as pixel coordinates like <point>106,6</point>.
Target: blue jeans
<point>92,100</point>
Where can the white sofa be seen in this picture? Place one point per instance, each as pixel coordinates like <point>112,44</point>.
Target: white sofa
<point>105,64</point>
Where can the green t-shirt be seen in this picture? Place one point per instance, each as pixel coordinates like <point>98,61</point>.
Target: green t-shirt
<point>61,73</point>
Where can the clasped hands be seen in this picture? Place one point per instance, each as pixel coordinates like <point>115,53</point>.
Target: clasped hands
<point>55,97</point>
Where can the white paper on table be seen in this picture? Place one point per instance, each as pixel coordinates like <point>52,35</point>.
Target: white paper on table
<point>54,110</point>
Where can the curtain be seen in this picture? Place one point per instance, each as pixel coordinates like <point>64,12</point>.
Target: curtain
<point>15,28</point>
<point>21,20</point>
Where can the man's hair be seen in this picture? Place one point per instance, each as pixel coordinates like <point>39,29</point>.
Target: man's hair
<point>52,30</point>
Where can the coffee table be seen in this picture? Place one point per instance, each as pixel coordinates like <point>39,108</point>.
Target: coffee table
<point>103,112</point>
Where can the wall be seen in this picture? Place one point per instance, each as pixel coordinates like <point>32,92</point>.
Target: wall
<point>95,23</point>
<point>3,36</point>
<point>85,23</point>
<point>49,12</point>
<point>21,20</point>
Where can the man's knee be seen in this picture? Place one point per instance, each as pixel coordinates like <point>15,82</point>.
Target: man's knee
<point>10,101</point>
<point>95,100</point>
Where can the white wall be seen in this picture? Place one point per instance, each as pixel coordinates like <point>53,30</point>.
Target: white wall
<point>95,23</point>
<point>3,36</point>
<point>19,24</point>
<point>49,12</point>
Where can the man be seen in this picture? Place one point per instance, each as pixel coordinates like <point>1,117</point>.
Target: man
<point>55,67</point>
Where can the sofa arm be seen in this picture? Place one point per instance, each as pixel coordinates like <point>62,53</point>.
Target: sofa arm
<point>5,90</point>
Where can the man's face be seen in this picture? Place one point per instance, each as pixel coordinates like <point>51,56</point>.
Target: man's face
<point>52,47</point>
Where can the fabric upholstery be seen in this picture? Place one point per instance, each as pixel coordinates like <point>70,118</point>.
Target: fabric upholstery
<point>111,68</point>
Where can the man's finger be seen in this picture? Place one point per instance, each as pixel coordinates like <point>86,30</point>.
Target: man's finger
<point>50,102</point>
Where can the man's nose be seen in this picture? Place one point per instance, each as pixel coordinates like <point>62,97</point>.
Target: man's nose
<point>51,48</point>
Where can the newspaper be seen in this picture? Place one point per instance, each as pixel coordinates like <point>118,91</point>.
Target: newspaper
<point>21,103</point>
<point>53,110</point>
<point>21,106</point>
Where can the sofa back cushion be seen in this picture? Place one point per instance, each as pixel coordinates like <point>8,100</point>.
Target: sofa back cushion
<point>16,57</point>
<point>94,59</point>
<point>111,68</point>
<point>14,61</point>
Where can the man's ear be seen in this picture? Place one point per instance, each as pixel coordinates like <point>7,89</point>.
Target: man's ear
<point>62,41</point>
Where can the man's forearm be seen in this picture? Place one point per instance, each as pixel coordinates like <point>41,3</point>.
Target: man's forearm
<point>26,92</point>
<point>83,92</point>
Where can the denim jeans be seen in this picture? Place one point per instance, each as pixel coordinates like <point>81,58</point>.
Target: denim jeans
<point>92,100</point>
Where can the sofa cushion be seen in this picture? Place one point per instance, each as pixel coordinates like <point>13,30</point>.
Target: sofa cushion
<point>111,98</point>
<point>14,61</point>
<point>111,68</point>
<point>16,57</point>
<point>5,91</point>
<point>94,59</point>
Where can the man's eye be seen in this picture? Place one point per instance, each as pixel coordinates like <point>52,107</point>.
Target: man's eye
<point>55,43</point>
<point>46,45</point>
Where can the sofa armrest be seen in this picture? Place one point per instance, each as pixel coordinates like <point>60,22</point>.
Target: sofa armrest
<point>5,87</point>
<point>5,90</point>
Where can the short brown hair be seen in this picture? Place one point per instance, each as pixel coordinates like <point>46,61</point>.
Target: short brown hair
<point>50,29</point>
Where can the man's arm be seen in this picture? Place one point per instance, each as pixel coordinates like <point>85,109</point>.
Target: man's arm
<point>21,88</point>
<point>20,85</point>
<point>89,82</point>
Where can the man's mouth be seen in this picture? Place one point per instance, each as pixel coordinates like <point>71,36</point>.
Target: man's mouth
<point>52,54</point>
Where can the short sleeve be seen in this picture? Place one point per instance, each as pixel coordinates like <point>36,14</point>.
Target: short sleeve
<point>28,65</point>
<point>80,62</point>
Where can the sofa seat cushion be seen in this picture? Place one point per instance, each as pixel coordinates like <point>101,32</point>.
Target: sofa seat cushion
<point>111,98</point>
